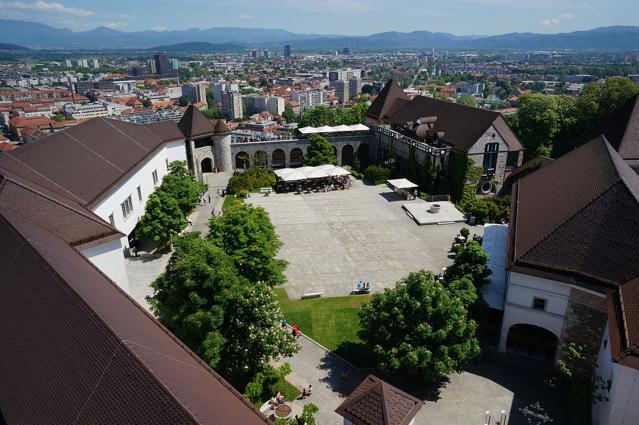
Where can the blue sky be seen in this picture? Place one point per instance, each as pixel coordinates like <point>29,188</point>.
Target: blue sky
<point>460,17</point>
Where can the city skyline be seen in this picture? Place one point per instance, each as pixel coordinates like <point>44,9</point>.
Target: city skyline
<point>344,17</point>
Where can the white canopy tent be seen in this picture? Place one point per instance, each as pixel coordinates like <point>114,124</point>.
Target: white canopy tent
<point>334,129</point>
<point>401,184</point>
<point>306,173</point>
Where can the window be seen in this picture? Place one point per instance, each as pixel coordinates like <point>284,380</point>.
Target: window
<point>605,343</point>
<point>111,220</point>
<point>490,157</point>
<point>512,159</point>
<point>127,207</point>
<point>139,193</point>
<point>155,177</point>
<point>539,304</point>
<point>166,160</point>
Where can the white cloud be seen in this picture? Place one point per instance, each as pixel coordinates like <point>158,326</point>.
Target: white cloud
<point>567,16</point>
<point>159,29</point>
<point>246,17</point>
<point>548,22</point>
<point>116,25</point>
<point>46,7</point>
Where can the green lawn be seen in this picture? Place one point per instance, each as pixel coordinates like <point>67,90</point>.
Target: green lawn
<point>331,321</point>
<point>228,201</point>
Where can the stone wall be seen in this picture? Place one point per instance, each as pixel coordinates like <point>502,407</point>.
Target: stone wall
<point>585,319</point>
<point>476,152</point>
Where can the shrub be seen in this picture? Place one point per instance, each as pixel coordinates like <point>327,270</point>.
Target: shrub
<point>251,180</point>
<point>464,232</point>
<point>376,175</point>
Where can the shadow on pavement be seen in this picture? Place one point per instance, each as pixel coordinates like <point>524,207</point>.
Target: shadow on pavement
<point>391,197</point>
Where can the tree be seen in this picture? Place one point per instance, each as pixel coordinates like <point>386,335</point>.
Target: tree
<point>471,261</point>
<point>246,234</point>
<point>183,100</point>
<point>467,100</point>
<point>418,328</point>
<point>58,118</point>
<point>162,220</point>
<point>376,175</point>
<point>289,114</point>
<point>188,296</point>
<point>146,103</point>
<point>537,120</point>
<point>252,332</point>
<point>317,117</point>
<point>181,185</point>
<point>320,151</point>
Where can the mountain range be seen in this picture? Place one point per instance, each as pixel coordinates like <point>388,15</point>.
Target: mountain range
<point>40,36</point>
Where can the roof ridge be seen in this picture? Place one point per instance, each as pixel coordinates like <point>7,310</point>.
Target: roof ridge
<point>123,133</point>
<point>385,410</point>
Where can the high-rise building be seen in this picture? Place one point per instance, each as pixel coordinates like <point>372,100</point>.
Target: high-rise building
<point>308,98</point>
<point>346,51</point>
<point>232,105</point>
<point>151,66</point>
<point>255,103</point>
<point>139,71</point>
<point>287,51</point>
<point>83,63</point>
<point>67,63</point>
<point>266,54</point>
<point>175,64</point>
<point>195,92</point>
<point>354,86</point>
<point>219,88</point>
<point>341,90</point>
<point>95,63</point>
<point>162,66</point>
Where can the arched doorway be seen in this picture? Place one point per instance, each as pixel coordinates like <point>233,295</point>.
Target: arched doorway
<point>347,155</point>
<point>532,341</point>
<point>260,159</point>
<point>297,158</point>
<point>206,166</point>
<point>279,159</point>
<point>242,160</point>
<point>363,154</point>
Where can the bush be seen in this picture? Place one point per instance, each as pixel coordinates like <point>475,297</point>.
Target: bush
<point>376,175</point>
<point>251,180</point>
<point>464,232</point>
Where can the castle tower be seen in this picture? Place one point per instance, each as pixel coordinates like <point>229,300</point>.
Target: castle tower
<point>222,147</point>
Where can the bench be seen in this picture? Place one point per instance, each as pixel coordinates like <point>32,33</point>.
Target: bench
<point>316,294</point>
<point>266,190</point>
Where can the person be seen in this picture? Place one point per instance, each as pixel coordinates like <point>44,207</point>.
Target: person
<point>209,195</point>
<point>283,323</point>
<point>296,330</point>
<point>344,372</point>
<point>279,398</point>
<point>308,390</point>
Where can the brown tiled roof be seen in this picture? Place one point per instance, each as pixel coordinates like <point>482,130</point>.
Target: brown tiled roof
<point>576,221</point>
<point>375,402</point>
<point>221,127</point>
<point>462,125</point>
<point>621,129</point>
<point>385,100</point>
<point>87,160</point>
<point>77,350</point>
<point>57,214</point>
<point>194,124</point>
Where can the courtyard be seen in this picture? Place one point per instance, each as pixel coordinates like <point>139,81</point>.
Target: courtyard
<point>334,239</point>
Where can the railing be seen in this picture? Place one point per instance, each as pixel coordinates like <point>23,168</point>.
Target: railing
<point>329,138</point>
<point>422,146</point>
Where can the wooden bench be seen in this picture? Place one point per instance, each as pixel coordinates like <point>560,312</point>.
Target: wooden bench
<point>316,294</point>
<point>266,190</point>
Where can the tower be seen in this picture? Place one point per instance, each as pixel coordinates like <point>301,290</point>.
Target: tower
<point>222,147</point>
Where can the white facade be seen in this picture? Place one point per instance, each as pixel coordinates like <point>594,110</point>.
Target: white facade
<point>85,111</point>
<point>111,207</point>
<point>622,404</point>
<point>109,259</point>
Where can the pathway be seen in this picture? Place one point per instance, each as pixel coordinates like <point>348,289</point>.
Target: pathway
<point>316,366</point>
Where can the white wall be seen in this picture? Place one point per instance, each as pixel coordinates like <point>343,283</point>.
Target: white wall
<point>175,151</point>
<point>622,406</point>
<point>521,291</point>
<point>109,259</point>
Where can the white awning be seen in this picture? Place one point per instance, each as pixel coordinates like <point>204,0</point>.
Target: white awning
<point>402,184</point>
<point>359,127</point>
<point>339,171</point>
<point>304,173</point>
<point>283,172</point>
<point>327,167</point>
<point>342,128</point>
<point>307,130</point>
<point>316,174</point>
<point>294,176</point>
<point>326,129</point>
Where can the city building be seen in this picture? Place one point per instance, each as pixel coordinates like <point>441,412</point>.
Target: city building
<point>195,92</point>
<point>254,104</point>
<point>140,71</point>
<point>342,90</point>
<point>152,66</point>
<point>232,105</point>
<point>219,88</point>
<point>354,86</point>
<point>67,63</point>
<point>444,130</point>
<point>162,66</point>
<point>151,116</point>
<point>82,63</point>
<point>287,51</point>
<point>79,111</point>
<point>308,99</point>
<point>95,63</point>
<point>175,64</point>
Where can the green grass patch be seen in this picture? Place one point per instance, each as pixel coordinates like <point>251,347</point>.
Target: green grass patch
<point>228,201</point>
<point>288,390</point>
<point>331,321</point>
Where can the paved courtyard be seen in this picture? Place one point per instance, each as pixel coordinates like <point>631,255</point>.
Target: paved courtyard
<point>334,239</point>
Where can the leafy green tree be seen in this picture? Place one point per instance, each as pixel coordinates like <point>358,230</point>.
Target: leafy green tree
<point>353,115</point>
<point>253,337</point>
<point>317,117</point>
<point>418,328</point>
<point>58,118</point>
<point>247,235</point>
<point>289,114</point>
<point>162,220</point>
<point>146,103</point>
<point>376,175</point>
<point>183,100</point>
<point>182,186</point>
<point>538,121</point>
<point>471,261</point>
<point>467,100</point>
<point>320,151</point>
<point>189,297</point>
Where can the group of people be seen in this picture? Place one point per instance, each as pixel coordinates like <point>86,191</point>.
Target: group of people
<point>295,330</point>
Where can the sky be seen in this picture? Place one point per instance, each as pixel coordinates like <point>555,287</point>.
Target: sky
<point>347,17</point>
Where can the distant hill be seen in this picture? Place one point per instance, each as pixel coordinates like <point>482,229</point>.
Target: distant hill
<point>4,47</point>
<point>200,47</point>
<point>40,36</point>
